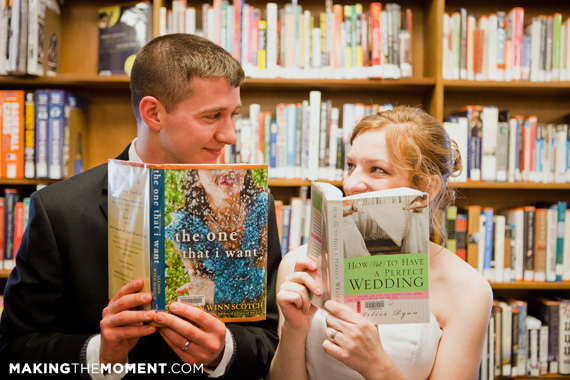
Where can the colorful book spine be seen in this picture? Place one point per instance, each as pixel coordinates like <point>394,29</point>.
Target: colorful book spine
<point>10,199</point>
<point>30,135</point>
<point>488,247</point>
<point>560,237</point>
<point>156,237</point>
<point>56,133</point>
<point>42,117</point>
<point>12,123</point>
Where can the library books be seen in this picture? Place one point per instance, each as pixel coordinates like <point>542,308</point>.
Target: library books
<point>123,30</point>
<point>44,133</point>
<point>523,243</point>
<point>274,41</point>
<point>508,47</point>
<point>375,264</point>
<point>196,234</point>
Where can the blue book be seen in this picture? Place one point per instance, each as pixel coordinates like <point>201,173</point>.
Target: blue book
<point>560,239</point>
<point>285,225</point>
<point>488,248</point>
<point>291,141</point>
<point>56,133</point>
<point>42,116</point>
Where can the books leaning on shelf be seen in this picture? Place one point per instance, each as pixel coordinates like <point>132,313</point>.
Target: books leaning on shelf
<point>502,46</point>
<point>274,42</point>
<point>123,30</point>
<point>196,234</point>
<point>372,252</point>
<point>44,134</point>
<point>524,243</point>
<point>496,146</point>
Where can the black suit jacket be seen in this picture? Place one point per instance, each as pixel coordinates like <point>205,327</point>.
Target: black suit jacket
<point>54,297</point>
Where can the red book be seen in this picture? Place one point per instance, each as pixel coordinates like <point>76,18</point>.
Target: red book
<point>18,226</point>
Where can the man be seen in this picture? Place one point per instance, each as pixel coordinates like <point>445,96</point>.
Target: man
<point>185,94</point>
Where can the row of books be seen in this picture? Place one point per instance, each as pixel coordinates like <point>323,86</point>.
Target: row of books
<point>13,220</point>
<point>30,37</point>
<point>304,140</point>
<point>344,41</point>
<point>527,338</point>
<point>293,221</point>
<point>496,146</point>
<point>530,243</point>
<point>43,133</point>
<point>500,46</point>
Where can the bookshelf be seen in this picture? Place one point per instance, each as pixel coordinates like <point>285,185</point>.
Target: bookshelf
<point>112,124</point>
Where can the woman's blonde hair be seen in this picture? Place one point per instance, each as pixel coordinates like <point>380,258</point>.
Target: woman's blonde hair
<point>418,144</point>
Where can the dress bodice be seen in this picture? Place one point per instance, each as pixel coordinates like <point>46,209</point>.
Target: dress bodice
<point>412,346</point>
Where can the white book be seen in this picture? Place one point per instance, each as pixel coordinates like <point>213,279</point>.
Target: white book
<point>471,27</point>
<point>179,15</point>
<point>162,21</point>
<point>296,224</point>
<point>512,158</point>
<point>445,72</point>
<point>564,338</point>
<point>254,110</point>
<point>490,120</point>
<point>506,339</point>
<point>190,20</point>
<point>491,47</point>
<point>502,151</point>
<point>316,51</point>
<point>36,23</point>
<point>543,350</point>
<point>271,10</point>
<point>535,42</point>
<point>533,326</point>
<point>333,136</point>
<point>281,156</point>
<point>516,218</point>
<point>315,124</point>
<point>560,152</point>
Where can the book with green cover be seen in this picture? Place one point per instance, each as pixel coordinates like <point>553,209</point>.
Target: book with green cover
<point>372,251</point>
<point>196,234</point>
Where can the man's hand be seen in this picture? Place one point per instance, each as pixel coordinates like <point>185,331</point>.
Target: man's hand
<point>206,334</point>
<point>121,326</point>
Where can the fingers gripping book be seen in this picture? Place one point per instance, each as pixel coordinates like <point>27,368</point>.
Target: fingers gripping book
<point>196,234</point>
<point>372,252</point>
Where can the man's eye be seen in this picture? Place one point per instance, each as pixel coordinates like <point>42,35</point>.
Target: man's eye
<point>213,116</point>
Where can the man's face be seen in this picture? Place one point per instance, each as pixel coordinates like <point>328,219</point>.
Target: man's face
<point>202,125</point>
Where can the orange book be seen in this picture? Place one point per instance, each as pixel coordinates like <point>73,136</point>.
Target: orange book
<point>12,124</point>
<point>473,214</point>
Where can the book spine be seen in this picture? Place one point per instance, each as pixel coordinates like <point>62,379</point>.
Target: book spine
<point>56,132</point>
<point>461,236</point>
<point>30,135</point>
<point>12,148</point>
<point>564,339</point>
<point>18,225</point>
<point>560,230</point>
<point>10,198</point>
<point>2,222</point>
<point>488,247</point>
<point>156,219</point>
<point>528,243</point>
<point>499,247</point>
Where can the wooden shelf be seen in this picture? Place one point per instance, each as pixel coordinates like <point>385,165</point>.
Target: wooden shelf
<point>4,273</point>
<point>531,285</point>
<point>26,182</point>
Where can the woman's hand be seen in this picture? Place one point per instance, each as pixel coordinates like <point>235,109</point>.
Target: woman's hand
<point>293,296</point>
<point>355,341</point>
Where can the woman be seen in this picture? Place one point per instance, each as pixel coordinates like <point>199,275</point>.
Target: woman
<point>228,215</point>
<point>403,147</point>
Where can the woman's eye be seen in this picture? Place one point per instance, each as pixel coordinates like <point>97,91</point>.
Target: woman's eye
<point>378,170</point>
<point>350,166</point>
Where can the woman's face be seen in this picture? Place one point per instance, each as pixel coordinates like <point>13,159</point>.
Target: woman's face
<point>220,184</point>
<point>369,165</point>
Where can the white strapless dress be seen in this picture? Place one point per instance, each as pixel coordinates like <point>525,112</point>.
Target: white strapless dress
<point>412,346</point>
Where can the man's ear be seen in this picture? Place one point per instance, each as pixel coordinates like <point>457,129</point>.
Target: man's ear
<point>151,112</point>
